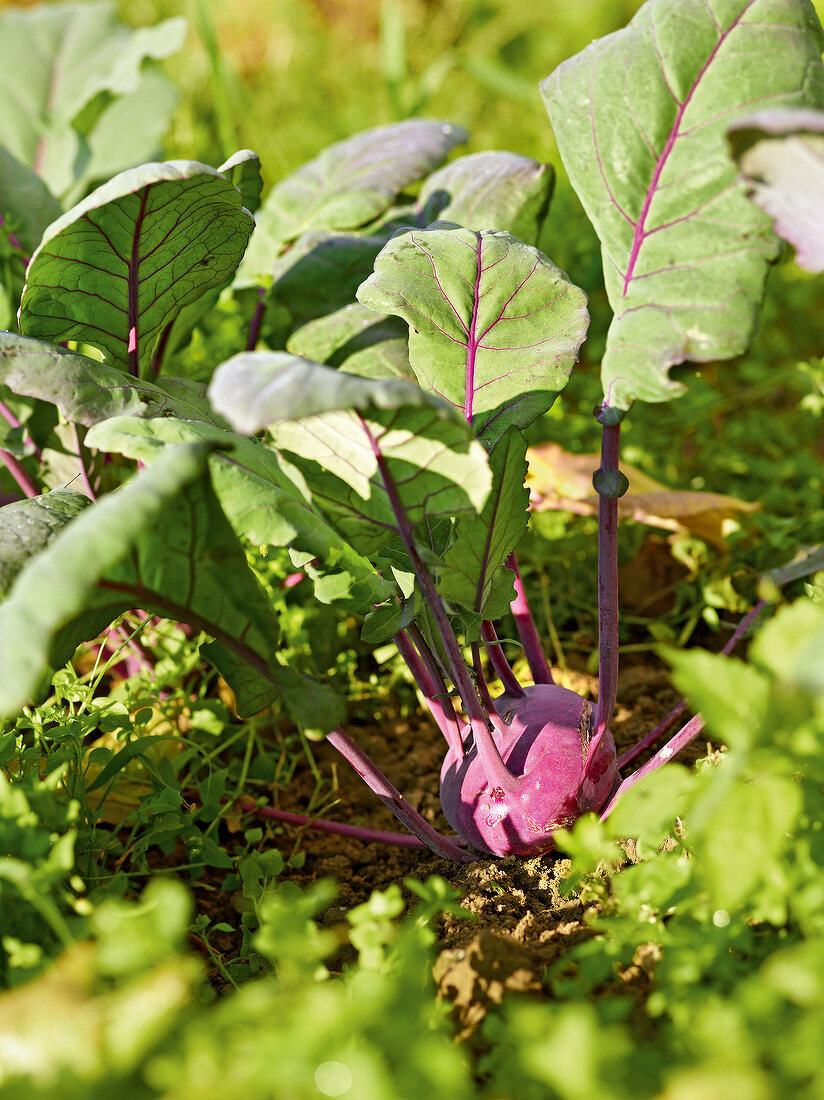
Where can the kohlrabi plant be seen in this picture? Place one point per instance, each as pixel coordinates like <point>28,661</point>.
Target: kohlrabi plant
<point>413,331</point>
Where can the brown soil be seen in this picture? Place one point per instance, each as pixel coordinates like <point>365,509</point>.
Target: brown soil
<point>521,922</point>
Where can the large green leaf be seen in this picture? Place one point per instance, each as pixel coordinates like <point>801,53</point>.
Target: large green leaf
<point>489,190</point>
<point>640,118</point>
<point>495,327</point>
<point>365,451</point>
<point>781,154</point>
<point>160,543</point>
<point>347,185</point>
<point>60,67</point>
<point>474,573</point>
<point>117,268</point>
<point>26,204</point>
<point>26,526</point>
<point>259,500</point>
<point>86,390</point>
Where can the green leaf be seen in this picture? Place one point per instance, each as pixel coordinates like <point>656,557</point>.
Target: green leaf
<point>26,526</point>
<point>57,60</point>
<point>57,584</point>
<point>733,697</point>
<point>474,565</point>
<point>117,268</point>
<point>747,835</point>
<point>490,190</point>
<point>382,623</point>
<point>648,810</point>
<point>640,118</point>
<point>311,703</point>
<point>357,340</point>
<point>243,169</point>
<point>256,389</point>
<point>87,391</point>
<point>26,204</point>
<point>258,499</point>
<point>495,327</point>
<point>129,131</point>
<point>365,470</point>
<point>791,645</point>
<point>781,154</point>
<point>347,185</point>
<point>321,273</point>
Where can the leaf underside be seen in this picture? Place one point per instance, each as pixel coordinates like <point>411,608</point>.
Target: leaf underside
<point>347,185</point>
<point>781,154</point>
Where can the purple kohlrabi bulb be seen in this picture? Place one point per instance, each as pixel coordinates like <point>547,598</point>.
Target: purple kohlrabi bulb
<point>543,739</point>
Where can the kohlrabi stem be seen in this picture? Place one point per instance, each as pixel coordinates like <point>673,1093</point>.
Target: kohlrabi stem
<point>527,631</point>
<point>16,470</point>
<point>498,660</point>
<point>257,321</point>
<point>678,710</point>
<point>480,681</point>
<point>675,744</point>
<point>433,690</point>
<point>84,472</point>
<point>391,797</point>
<point>496,771</point>
<point>379,836</point>
<point>653,735</point>
<point>610,484</point>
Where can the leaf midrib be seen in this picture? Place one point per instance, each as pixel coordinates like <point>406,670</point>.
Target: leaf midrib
<point>640,234</point>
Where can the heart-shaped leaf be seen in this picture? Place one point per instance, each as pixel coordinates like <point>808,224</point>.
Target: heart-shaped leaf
<point>117,268</point>
<point>495,327</point>
<point>640,118</point>
<point>781,154</point>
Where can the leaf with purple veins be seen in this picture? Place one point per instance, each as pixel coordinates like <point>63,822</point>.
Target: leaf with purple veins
<point>117,269</point>
<point>494,325</point>
<point>641,118</point>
